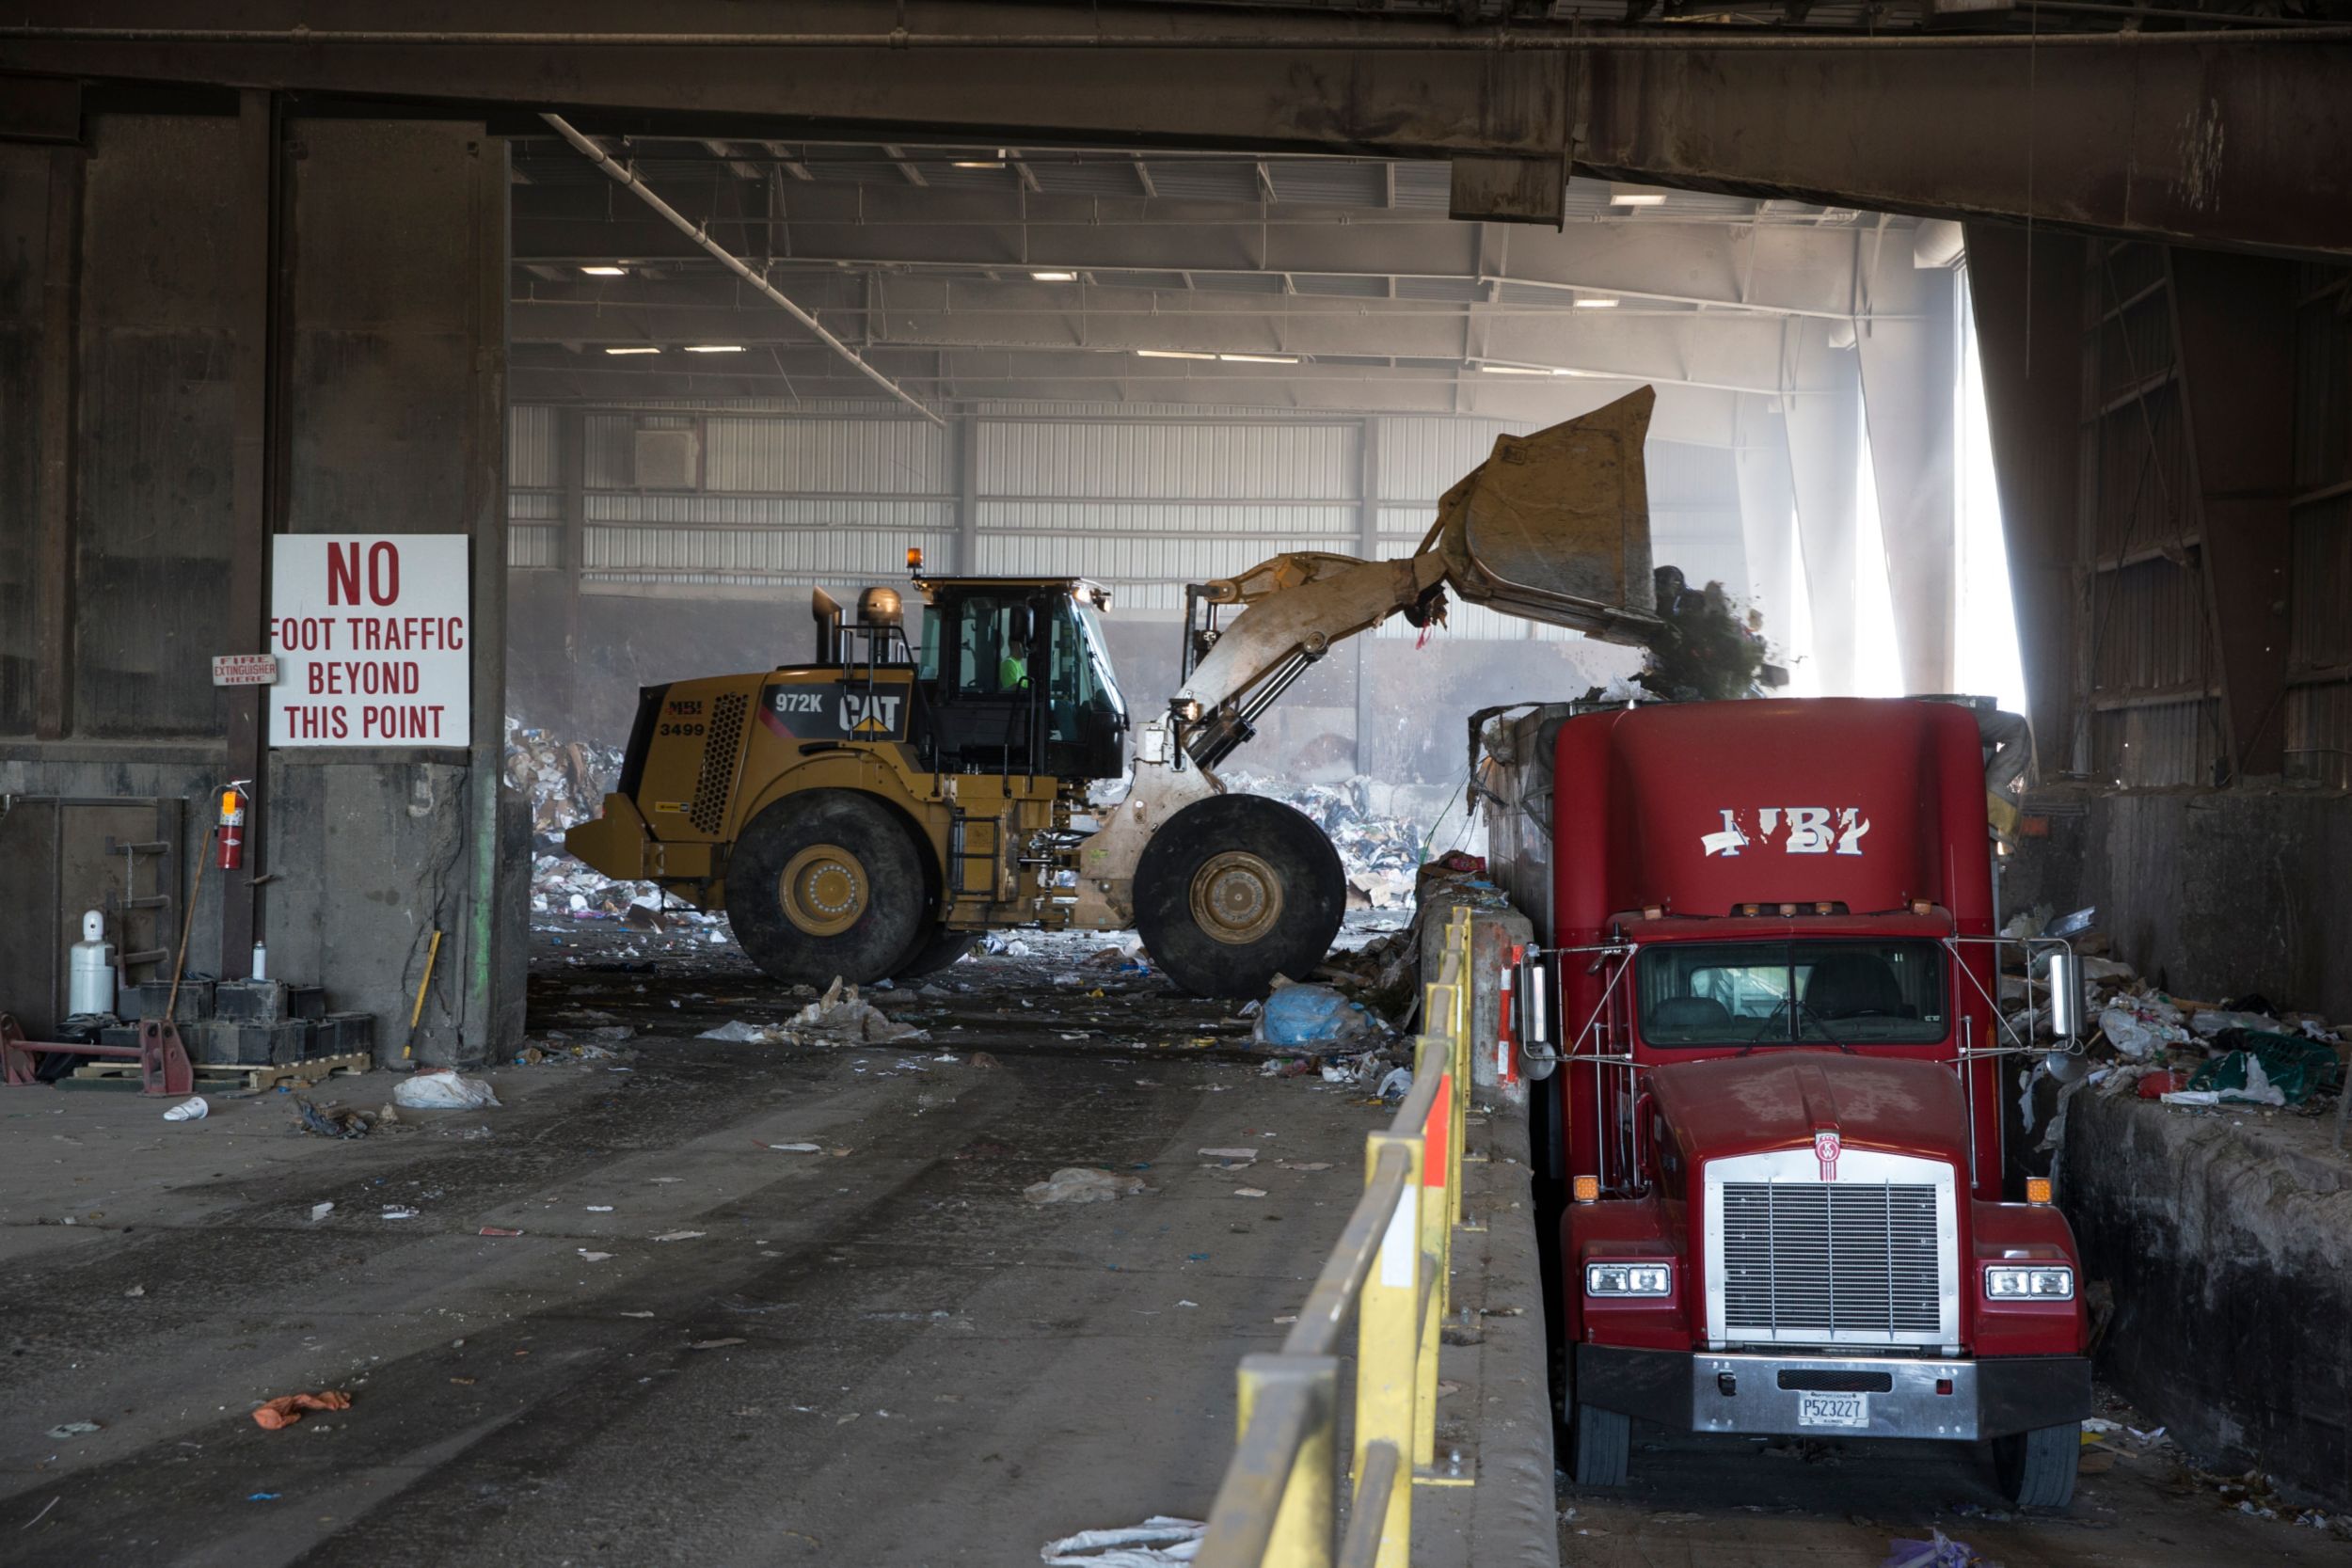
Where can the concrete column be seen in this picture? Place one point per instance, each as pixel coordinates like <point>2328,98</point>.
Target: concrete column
<point>1768,519</point>
<point>2030,341</point>
<point>1824,421</point>
<point>1909,377</point>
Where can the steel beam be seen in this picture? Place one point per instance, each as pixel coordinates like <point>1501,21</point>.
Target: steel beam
<point>1908,374</point>
<point>2238,138</point>
<point>1726,351</point>
<point>2234,317</point>
<point>2027,295</point>
<point>1784,268</point>
<point>1824,466</point>
<point>962,376</point>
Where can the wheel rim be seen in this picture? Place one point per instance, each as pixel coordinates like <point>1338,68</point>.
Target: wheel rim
<point>1236,897</point>
<point>823,890</point>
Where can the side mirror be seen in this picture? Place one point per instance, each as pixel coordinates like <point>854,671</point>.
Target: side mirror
<point>2066,994</point>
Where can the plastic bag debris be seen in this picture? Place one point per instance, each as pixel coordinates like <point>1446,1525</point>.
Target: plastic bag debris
<point>442,1089</point>
<point>1011,947</point>
<point>285,1410</point>
<point>319,1211</point>
<point>1083,1184</point>
<point>397,1211</point>
<point>840,1015</point>
<point>1310,1015</point>
<point>1940,1552</point>
<point>189,1110</point>
<point>1397,1085</point>
<point>740,1032</point>
<point>1157,1542</point>
<point>74,1429</point>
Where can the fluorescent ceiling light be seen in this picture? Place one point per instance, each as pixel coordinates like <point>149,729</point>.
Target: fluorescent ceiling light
<point>1171,353</point>
<point>644,348</point>
<point>1518,370</point>
<point>1635,196</point>
<point>1597,302</point>
<point>1259,358</point>
<point>606,271</point>
<point>976,163</point>
<point>714,348</point>
<point>1055,276</point>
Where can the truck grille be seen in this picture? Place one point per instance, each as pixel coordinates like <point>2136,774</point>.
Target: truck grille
<point>1829,1257</point>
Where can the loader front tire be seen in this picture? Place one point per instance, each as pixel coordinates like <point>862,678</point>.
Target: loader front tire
<point>827,883</point>
<point>935,950</point>
<point>1235,889</point>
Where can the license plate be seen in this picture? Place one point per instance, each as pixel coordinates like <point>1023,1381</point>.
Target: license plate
<point>1833,1410</point>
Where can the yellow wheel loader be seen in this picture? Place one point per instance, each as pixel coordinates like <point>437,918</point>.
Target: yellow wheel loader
<point>871,813</point>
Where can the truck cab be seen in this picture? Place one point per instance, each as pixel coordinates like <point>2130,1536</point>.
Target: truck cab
<point>1774,1109</point>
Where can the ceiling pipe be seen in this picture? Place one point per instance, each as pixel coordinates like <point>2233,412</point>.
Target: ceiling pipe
<point>644,192</point>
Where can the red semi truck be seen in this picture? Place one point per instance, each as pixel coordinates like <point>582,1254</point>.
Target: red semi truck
<point>1769,974</point>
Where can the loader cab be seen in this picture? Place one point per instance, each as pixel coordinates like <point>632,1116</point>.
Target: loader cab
<point>1018,677</point>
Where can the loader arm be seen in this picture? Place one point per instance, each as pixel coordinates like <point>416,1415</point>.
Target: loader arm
<point>1552,526</point>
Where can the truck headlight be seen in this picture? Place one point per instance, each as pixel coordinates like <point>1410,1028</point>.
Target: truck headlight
<point>1628,1279</point>
<point>2043,1282</point>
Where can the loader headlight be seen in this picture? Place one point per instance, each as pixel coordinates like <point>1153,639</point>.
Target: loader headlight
<point>1187,708</point>
<point>1628,1279</point>
<point>2043,1282</point>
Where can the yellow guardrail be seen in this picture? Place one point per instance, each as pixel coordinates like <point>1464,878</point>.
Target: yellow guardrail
<point>1278,1504</point>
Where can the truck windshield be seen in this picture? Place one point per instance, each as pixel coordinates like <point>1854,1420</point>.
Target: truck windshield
<point>1841,992</point>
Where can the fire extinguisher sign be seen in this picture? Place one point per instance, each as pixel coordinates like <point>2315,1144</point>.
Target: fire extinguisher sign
<point>373,639</point>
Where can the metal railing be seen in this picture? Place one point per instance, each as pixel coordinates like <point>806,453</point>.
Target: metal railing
<point>1278,1504</point>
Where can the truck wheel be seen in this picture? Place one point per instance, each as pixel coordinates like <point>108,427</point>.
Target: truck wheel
<point>2037,1467</point>
<point>826,883</point>
<point>1599,1442</point>
<point>936,951</point>
<point>1236,889</point>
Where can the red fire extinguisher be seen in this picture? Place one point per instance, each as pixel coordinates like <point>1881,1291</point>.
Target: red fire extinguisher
<point>232,829</point>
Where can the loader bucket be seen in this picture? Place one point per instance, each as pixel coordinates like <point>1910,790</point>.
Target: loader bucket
<point>1554,526</point>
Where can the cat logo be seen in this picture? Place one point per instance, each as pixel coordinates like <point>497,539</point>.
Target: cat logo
<point>865,713</point>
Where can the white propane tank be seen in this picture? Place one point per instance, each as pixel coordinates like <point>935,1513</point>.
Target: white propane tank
<point>90,984</point>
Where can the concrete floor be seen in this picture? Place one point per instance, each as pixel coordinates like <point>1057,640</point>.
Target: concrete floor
<point>879,1354</point>
<point>1722,1502</point>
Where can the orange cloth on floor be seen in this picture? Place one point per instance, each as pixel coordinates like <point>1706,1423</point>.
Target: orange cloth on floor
<point>287,1409</point>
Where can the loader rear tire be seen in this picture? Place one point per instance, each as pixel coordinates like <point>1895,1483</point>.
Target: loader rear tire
<point>827,883</point>
<point>936,952</point>
<point>1235,889</point>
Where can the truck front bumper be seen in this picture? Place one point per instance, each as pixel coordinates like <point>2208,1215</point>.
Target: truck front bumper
<point>1945,1397</point>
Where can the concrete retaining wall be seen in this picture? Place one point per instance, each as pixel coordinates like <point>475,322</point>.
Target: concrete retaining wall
<point>2227,1242</point>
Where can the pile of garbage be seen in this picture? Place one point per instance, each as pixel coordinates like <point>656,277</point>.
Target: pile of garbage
<point>839,1017</point>
<point>1380,853</point>
<point>566,782</point>
<point>1707,649</point>
<point>2188,1053</point>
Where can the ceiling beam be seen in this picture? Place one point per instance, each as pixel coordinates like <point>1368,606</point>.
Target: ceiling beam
<point>2212,137</point>
<point>1781,269</point>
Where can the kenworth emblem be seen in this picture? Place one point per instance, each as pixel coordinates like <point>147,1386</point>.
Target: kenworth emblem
<point>1825,1149</point>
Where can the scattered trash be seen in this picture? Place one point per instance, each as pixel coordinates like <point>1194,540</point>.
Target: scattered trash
<point>597,1257</point>
<point>1011,947</point>
<point>189,1110</point>
<point>1156,1542</point>
<point>442,1089</point>
<point>285,1410</point>
<point>319,1211</point>
<point>332,1124</point>
<point>262,1496</point>
<point>496,1230</point>
<point>716,1344</point>
<point>600,1208</point>
<point>839,1012</point>
<point>74,1429</point>
<point>740,1032</point>
<point>1940,1552</point>
<point>1231,1155</point>
<point>1083,1184</point>
<point>135,1291</point>
<point>1250,1192</point>
<point>1397,1085</point>
<point>399,1213</point>
<point>679,1235</point>
<point>798,1149</point>
<point>1311,1015</point>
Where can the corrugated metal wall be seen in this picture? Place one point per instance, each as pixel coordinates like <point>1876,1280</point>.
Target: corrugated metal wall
<point>2318,706</point>
<point>1142,499</point>
<point>2144,670</point>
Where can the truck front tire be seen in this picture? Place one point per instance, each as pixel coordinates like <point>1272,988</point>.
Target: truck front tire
<point>2037,1467</point>
<point>1236,889</point>
<point>1600,1443</point>
<point>824,885</point>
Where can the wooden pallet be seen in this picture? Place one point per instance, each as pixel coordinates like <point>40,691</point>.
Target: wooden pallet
<point>219,1076</point>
